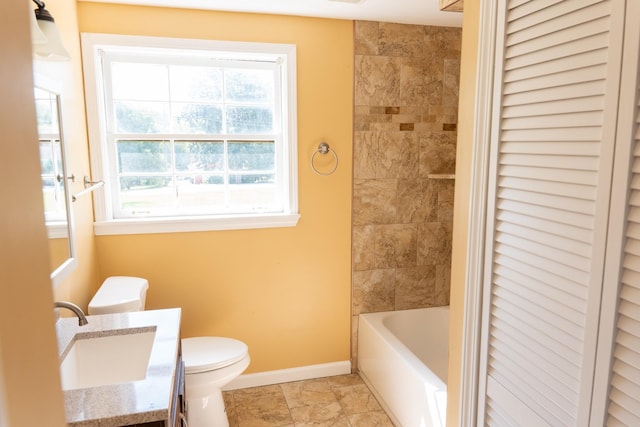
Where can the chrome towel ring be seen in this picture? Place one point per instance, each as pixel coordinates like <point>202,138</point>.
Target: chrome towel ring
<point>323,149</point>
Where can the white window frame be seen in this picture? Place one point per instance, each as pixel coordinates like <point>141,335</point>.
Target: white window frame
<point>105,223</point>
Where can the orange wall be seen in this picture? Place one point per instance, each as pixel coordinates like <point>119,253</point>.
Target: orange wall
<point>29,378</point>
<point>466,113</point>
<point>285,291</point>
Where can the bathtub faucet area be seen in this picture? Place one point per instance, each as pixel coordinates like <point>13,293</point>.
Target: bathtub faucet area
<point>82,320</point>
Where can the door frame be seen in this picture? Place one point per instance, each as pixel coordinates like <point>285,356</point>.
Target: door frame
<point>478,206</point>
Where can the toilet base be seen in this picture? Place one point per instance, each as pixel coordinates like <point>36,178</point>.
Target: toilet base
<point>207,411</point>
<point>203,392</point>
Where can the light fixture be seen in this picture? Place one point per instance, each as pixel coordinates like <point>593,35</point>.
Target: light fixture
<point>37,36</point>
<point>52,49</point>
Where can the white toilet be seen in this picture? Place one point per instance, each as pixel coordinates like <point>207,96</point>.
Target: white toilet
<point>210,363</point>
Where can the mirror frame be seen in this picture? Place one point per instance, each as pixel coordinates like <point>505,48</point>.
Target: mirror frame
<point>62,271</point>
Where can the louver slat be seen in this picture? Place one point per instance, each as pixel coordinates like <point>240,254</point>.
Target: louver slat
<point>562,78</point>
<point>531,54</point>
<point>548,294</point>
<point>566,14</point>
<point>543,173</point>
<point>592,61</point>
<point>551,227</point>
<point>562,189</point>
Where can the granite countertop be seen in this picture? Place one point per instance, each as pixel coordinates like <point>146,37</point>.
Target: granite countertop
<point>134,402</point>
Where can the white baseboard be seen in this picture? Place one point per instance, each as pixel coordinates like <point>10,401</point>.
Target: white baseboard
<point>288,375</point>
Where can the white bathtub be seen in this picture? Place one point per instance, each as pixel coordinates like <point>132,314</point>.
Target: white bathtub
<point>403,358</point>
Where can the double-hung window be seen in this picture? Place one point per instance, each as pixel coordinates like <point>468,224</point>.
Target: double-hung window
<point>191,134</point>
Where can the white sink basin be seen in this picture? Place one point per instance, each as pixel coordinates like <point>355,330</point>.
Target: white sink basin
<point>114,359</point>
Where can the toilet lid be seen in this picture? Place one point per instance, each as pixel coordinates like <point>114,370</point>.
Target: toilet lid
<point>202,354</point>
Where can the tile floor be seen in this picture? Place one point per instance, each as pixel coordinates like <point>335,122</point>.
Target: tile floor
<point>340,401</point>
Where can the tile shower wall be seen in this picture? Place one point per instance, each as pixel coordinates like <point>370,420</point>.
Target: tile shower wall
<point>406,103</point>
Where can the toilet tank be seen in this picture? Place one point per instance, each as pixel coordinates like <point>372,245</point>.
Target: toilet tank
<point>119,294</point>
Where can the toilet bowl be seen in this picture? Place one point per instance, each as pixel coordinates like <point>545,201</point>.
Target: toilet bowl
<point>210,363</point>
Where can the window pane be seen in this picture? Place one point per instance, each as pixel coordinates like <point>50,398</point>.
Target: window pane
<point>252,86</point>
<point>191,83</point>
<point>142,193</point>
<point>47,116</point>
<point>143,156</point>
<point>252,156</point>
<point>50,157</point>
<point>197,118</point>
<point>141,117</point>
<point>252,197</point>
<point>52,188</point>
<point>201,193</point>
<point>51,195</point>
<point>265,178</point>
<point>199,156</point>
<point>147,82</point>
<point>249,119</point>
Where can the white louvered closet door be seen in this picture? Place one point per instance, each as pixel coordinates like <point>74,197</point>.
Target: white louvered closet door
<point>553,147</point>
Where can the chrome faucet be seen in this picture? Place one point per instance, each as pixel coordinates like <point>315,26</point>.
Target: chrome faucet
<point>82,320</point>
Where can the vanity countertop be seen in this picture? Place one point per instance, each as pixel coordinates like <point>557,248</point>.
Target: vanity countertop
<point>129,403</point>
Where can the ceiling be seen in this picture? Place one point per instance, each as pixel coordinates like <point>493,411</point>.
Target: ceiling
<point>422,12</point>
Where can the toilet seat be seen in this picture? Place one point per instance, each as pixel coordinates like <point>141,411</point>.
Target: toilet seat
<point>203,354</point>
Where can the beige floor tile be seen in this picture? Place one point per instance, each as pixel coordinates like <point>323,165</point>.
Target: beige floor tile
<point>344,380</point>
<point>340,422</point>
<point>248,394</point>
<point>370,419</point>
<point>321,414</point>
<point>230,409</point>
<point>306,393</point>
<point>271,411</point>
<point>357,399</point>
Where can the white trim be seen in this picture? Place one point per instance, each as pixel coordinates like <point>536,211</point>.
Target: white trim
<point>469,376</point>
<point>129,42</point>
<point>288,375</point>
<point>601,250</point>
<point>64,270</point>
<point>57,229</point>
<point>190,224</point>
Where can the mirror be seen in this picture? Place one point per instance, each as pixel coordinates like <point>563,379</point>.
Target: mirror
<point>55,184</point>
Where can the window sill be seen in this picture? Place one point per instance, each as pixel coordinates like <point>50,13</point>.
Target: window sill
<point>193,224</point>
<point>57,230</point>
